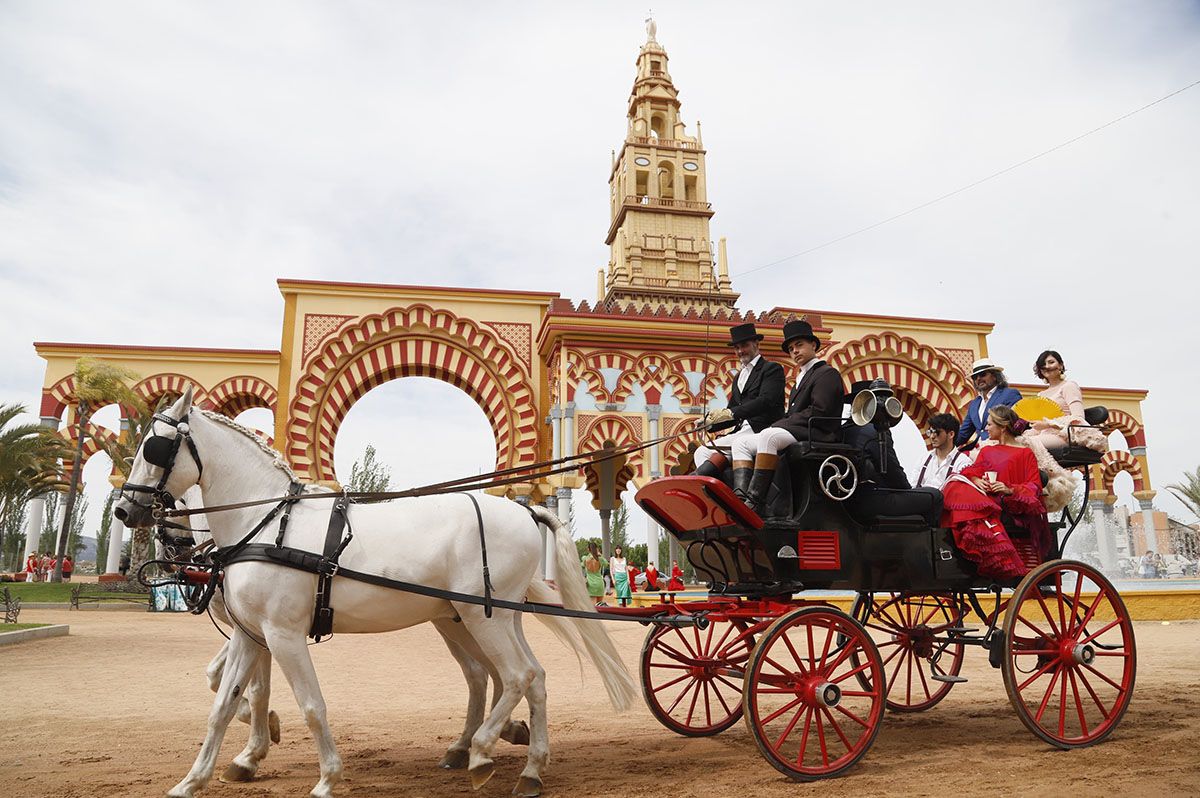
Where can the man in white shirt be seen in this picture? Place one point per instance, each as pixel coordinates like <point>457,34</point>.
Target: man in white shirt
<point>944,460</point>
<point>755,401</point>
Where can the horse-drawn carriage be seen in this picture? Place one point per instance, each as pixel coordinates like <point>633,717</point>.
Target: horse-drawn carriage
<point>812,681</point>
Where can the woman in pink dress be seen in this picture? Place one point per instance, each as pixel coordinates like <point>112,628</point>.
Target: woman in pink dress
<point>1052,432</point>
<point>1004,477</point>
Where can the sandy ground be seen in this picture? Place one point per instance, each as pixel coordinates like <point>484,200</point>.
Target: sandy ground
<point>119,708</point>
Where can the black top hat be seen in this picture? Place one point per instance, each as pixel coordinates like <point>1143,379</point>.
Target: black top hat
<point>798,329</point>
<point>879,387</point>
<point>743,332</point>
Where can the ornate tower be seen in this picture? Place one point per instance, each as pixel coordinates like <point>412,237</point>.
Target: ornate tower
<point>660,249</point>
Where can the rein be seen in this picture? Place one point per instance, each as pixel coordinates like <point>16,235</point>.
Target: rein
<point>461,485</point>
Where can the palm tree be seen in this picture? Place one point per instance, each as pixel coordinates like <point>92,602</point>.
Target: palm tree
<point>1189,491</point>
<point>29,456</point>
<point>96,384</point>
<point>122,449</point>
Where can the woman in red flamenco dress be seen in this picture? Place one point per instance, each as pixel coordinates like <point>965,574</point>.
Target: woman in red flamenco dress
<point>675,583</point>
<point>1004,477</point>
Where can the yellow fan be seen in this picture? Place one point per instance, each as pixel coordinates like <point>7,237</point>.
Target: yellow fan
<point>1036,408</point>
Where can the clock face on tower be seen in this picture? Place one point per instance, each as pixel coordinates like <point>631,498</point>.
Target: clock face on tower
<point>641,161</point>
<point>691,166</point>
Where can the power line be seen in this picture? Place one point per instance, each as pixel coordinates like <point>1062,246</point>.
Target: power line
<point>967,187</point>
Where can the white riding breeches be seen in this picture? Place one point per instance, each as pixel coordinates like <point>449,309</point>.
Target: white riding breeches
<point>723,444</point>
<point>771,440</point>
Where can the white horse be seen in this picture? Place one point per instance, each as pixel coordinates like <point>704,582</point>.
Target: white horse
<point>431,541</point>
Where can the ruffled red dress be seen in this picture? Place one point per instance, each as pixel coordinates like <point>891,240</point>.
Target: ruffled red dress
<point>974,516</point>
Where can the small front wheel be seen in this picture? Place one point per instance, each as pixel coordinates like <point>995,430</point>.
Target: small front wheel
<point>1069,657</point>
<point>803,704</point>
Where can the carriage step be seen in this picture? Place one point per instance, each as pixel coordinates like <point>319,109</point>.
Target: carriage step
<point>961,630</point>
<point>947,678</point>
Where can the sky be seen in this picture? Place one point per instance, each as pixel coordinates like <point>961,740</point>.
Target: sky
<point>163,163</point>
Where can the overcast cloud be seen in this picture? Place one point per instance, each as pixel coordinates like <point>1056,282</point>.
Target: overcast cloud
<point>162,163</point>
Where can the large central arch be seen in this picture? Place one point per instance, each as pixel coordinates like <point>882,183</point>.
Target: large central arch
<point>412,341</point>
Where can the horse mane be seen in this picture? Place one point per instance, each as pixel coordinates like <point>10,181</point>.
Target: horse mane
<point>276,458</point>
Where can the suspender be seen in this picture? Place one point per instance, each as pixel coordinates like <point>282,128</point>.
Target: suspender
<point>929,459</point>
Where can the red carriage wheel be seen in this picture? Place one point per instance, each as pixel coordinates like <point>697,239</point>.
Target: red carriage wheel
<point>692,678</point>
<point>904,628</point>
<point>1069,657</point>
<point>806,710</point>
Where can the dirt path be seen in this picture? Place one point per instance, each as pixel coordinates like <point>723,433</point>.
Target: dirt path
<point>119,708</point>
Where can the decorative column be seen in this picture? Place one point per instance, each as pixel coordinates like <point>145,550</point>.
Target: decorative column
<point>1146,503</point>
<point>654,412</point>
<point>564,514</point>
<point>37,506</point>
<point>1102,520</point>
<point>556,416</point>
<point>549,542</point>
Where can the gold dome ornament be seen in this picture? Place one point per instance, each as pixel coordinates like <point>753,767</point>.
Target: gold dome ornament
<point>1037,408</point>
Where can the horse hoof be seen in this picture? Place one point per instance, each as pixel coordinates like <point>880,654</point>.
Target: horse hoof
<point>273,725</point>
<point>236,772</point>
<point>528,787</point>
<point>481,773</point>
<point>454,760</point>
<point>516,732</point>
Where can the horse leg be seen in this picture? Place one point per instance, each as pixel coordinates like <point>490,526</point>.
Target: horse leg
<point>256,704</point>
<point>214,671</point>
<point>476,675</point>
<point>538,734</point>
<point>497,640</point>
<point>241,660</point>
<point>291,652</point>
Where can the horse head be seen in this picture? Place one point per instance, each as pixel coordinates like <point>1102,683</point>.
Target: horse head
<point>166,464</point>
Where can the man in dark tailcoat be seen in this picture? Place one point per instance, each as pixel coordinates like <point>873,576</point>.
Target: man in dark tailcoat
<point>755,401</point>
<point>814,412</point>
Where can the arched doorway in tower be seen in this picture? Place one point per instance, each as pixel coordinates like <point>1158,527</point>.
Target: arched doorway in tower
<point>423,430</point>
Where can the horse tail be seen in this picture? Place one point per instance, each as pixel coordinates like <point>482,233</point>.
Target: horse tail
<point>572,590</point>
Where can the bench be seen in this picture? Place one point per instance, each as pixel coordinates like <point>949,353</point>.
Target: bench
<point>12,605</point>
<point>87,593</point>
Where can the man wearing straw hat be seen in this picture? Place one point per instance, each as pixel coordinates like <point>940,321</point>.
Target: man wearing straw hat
<point>993,392</point>
<point>755,401</point>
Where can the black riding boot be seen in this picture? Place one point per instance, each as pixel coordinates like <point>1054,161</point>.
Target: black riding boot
<point>742,470</point>
<point>760,482</point>
<point>712,467</point>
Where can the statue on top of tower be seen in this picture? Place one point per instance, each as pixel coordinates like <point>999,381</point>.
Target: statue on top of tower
<point>651,27</point>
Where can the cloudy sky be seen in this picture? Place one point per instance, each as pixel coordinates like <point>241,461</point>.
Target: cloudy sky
<point>162,163</point>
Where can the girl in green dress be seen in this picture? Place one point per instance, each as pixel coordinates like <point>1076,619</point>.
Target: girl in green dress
<point>593,571</point>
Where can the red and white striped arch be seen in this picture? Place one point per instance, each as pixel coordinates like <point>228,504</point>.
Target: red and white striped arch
<point>152,389</point>
<point>925,380</point>
<point>94,443</point>
<point>716,371</point>
<point>1130,427</point>
<point>238,394</point>
<point>1115,462</point>
<point>652,370</point>
<point>408,342</point>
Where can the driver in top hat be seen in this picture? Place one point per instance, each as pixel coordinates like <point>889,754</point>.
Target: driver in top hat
<point>814,412</point>
<point>993,392</point>
<point>755,401</point>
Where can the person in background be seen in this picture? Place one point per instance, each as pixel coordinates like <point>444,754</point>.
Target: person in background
<point>593,572</point>
<point>651,578</point>
<point>993,390</point>
<point>620,576</point>
<point>634,571</point>
<point>31,567</point>
<point>675,584</point>
<point>944,460</point>
<point>68,568</point>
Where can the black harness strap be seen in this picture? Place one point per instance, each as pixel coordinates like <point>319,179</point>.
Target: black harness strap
<point>487,576</point>
<point>327,566</point>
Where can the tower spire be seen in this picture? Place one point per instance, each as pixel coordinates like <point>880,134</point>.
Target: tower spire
<point>660,248</point>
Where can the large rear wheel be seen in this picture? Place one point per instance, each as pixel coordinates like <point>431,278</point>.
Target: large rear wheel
<point>910,632</point>
<point>1069,656</point>
<point>692,678</point>
<point>807,712</point>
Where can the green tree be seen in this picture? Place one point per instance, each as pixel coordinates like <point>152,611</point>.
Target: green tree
<point>97,384</point>
<point>619,528</point>
<point>1188,491</point>
<point>13,534</point>
<point>368,475</point>
<point>29,455</point>
<point>54,521</point>
<point>105,532</point>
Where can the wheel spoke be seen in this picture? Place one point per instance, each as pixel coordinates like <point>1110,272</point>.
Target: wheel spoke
<point>1088,686</point>
<point>825,651</point>
<point>795,657</point>
<point>1062,613</point>
<point>837,729</point>
<point>1041,633</point>
<point>670,667</point>
<point>680,697</point>
<point>1092,609</point>
<point>852,716</point>
<point>1036,675</point>
<point>1041,600</point>
<point>1105,679</point>
<point>721,698</point>
<point>1046,697</point>
<point>736,688</point>
<point>662,687</point>
<point>695,697</point>
<point>924,683</point>
<point>676,654</point>
<point>1075,604</point>
<point>1062,707</point>
<point>892,679</point>
<point>778,667</point>
<point>1103,629</point>
<point>1083,726</point>
<point>707,706</point>
<point>779,712</point>
<point>821,740</point>
<point>848,674</point>
<point>808,713</point>
<point>791,724</point>
<point>908,676</point>
<point>685,642</point>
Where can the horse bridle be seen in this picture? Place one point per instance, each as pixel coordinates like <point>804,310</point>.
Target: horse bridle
<point>161,451</point>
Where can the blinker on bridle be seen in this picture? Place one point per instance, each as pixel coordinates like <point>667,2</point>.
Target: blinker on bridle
<point>161,451</point>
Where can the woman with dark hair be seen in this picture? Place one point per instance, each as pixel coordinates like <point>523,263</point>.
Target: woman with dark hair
<point>593,571</point>
<point>1003,478</point>
<point>1052,432</point>
<point>620,576</point>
